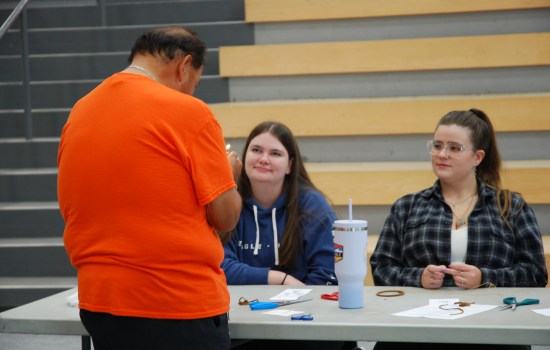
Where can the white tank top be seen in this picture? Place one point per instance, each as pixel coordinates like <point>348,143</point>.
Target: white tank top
<point>459,244</point>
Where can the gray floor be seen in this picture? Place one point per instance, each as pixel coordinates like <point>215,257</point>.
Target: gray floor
<point>58,342</point>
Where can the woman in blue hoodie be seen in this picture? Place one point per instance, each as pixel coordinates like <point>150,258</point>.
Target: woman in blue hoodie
<point>284,234</point>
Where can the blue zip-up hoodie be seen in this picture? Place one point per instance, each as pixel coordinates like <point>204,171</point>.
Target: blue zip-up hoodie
<point>254,248</point>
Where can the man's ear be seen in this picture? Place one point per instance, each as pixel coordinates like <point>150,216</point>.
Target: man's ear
<point>187,62</point>
<point>180,69</point>
<point>182,66</point>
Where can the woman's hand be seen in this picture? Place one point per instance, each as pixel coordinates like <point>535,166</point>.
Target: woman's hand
<point>277,277</point>
<point>432,277</point>
<point>465,276</point>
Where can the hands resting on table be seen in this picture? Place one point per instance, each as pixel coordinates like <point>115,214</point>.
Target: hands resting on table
<point>465,276</point>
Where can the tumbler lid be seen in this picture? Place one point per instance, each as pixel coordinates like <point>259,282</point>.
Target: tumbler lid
<point>351,224</point>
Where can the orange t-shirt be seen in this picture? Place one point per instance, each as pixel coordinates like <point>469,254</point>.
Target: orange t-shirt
<point>138,162</point>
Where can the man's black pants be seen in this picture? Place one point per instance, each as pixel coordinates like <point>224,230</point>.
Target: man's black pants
<point>110,332</point>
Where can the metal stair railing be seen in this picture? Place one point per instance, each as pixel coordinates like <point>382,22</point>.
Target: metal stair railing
<point>20,11</point>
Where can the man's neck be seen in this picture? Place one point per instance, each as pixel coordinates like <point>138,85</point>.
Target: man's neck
<point>154,69</point>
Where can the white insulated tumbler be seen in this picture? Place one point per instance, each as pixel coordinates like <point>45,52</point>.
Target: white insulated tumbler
<point>350,257</point>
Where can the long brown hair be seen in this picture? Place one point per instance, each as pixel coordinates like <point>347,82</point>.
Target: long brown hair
<point>482,136</point>
<point>297,180</point>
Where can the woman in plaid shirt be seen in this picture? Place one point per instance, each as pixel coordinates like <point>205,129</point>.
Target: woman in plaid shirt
<point>465,230</point>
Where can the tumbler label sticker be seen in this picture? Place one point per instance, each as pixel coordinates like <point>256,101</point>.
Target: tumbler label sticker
<point>366,259</point>
<point>338,252</point>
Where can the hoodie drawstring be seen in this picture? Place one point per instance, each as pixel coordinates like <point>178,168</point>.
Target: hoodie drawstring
<point>275,237</point>
<point>257,230</point>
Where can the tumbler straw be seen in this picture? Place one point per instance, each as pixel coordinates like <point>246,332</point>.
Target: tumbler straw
<point>350,211</point>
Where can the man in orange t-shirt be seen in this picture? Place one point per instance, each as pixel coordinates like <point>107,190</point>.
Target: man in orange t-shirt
<point>144,179</point>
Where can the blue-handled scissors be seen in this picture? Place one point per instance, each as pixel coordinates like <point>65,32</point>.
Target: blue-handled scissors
<point>512,303</point>
<point>264,305</point>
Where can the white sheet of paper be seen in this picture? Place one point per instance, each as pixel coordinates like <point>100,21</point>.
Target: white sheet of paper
<point>437,302</point>
<point>431,311</point>
<point>545,312</point>
<point>291,294</point>
<point>282,312</point>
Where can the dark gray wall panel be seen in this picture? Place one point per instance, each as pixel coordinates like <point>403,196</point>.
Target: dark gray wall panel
<point>35,261</point>
<point>28,188</point>
<point>213,89</point>
<point>64,67</point>
<point>66,94</point>
<point>109,39</point>
<point>10,4</point>
<point>28,154</point>
<point>542,212</point>
<point>80,66</point>
<point>154,12</point>
<point>48,17</point>
<point>36,223</point>
<point>175,12</point>
<point>10,298</point>
<point>46,95</point>
<point>44,123</point>
<point>403,148</point>
<point>237,145</point>
<point>405,27</point>
<point>414,83</point>
<point>412,148</point>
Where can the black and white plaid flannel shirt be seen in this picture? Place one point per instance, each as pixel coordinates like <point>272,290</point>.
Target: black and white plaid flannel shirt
<point>417,233</point>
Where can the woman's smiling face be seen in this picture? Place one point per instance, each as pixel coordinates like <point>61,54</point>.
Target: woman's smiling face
<point>267,160</point>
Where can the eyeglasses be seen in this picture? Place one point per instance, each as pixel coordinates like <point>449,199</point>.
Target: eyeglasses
<point>451,149</point>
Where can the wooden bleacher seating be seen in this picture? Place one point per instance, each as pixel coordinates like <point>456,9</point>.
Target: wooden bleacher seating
<point>469,52</point>
<point>383,116</point>
<point>302,10</point>
<point>383,183</point>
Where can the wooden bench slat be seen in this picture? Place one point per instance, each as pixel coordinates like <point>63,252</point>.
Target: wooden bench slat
<point>390,116</point>
<point>384,183</point>
<point>300,10</point>
<point>484,51</point>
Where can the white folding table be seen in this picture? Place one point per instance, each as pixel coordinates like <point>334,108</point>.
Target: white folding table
<point>374,322</point>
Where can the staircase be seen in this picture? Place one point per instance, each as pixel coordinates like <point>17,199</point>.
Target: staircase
<point>70,54</point>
